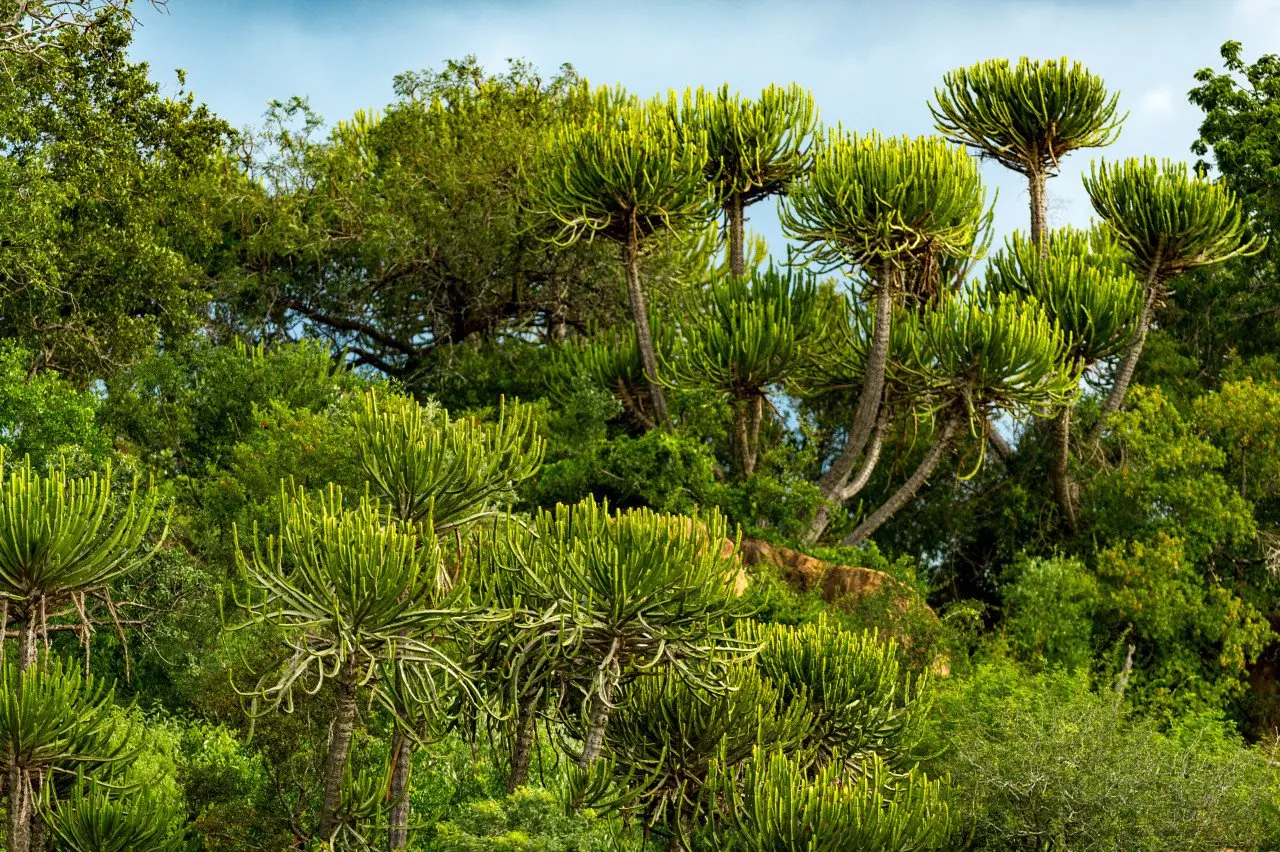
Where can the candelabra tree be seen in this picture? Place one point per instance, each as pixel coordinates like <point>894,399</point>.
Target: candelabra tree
<point>666,733</point>
<point>62,541</point>
<point>1027,117</point>
<point>1082,282</point>
<point>96,819</point>
<point>775,802</point>
<point>744,336</point>
<point>979,356</point>
<point>1168,222</point>
<point>350,591</point>
<point>626,172</point>
<point>54,719</point>
<point>618,596</point>
<point>862,706</point>
<point>754,149</point>
<point>886,208</point>
<point>442,475</point>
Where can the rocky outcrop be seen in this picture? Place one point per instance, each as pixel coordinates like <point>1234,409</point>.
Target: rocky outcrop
<point>833,583</point>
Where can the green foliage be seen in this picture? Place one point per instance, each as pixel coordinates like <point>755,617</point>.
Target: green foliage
<point>1049,610</point>
<point>41,414</point>
<point>747,335</point>
<point>1166,220</point>
<point>755,148</point>
<point>1081,281</point>
<point>1026,116</point>
<point>346,586</point>
<point>405,235</point>
<point>529,820</point>
<point>1164,478</point>
<point>450,472</point>
<point>1043,762</point>
<point>111,201</point>
<point>666,733</point>
<point>774,803</point>
<point>997,353</point>
<point>871,199</point>
<point>865,709</point>
<point>95,819</point>
<point>625,171</point>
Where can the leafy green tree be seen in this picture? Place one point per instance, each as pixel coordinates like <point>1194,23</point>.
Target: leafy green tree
<point>755,149</point>
<point>617,596</point>
<point>747,335</point>
<point>775,803</point>
<point>405,233</point>
<point>62,542</point>
<point>443,475</point>
<point>884,207</point>
<point>625,172</point>
<point>1081,280</point>
<point>347,589</point>
<point>1168,223</point>
<point>110,197</point>
<point>1027,117</point>
<point>33,30</point>
<point>979,356</point>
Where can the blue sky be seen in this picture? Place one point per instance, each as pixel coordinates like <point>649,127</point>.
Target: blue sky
<point>868,64</point>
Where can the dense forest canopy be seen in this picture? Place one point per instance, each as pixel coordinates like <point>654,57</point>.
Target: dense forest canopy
<point>466,475</point>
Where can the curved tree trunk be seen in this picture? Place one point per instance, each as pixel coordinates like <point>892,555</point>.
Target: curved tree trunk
<point>869,403</point>
<point>344,722</point>
<point>398,792</point>
<point>734,211</point>
<point>640,316</point>
<point>1124,375</point>
<point>909,488</point>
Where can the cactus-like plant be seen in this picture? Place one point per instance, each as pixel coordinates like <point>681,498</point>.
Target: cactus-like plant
<point>625,172</point>
<point>1168,222</point>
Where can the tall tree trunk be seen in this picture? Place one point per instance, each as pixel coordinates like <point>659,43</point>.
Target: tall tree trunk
<point>526,726</point>
<point>734,211</point>
<point>747,417</point>
<point>1036,189</point>
<point>909,488</point>
<point>28,640</point>
<point>596,723</point>
<point>398,792</point>
<point>19,807</point>
<point>344,722</point>
<point>640,316</point>
<point>1063,486</point>
<point>1151,289</point>
<point>869,402</point>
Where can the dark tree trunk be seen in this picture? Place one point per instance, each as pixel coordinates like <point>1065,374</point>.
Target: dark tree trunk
<point>640,316</point>
<point>398,792</point>
<point>909,488</point>
<point>737,240</point>
<point>526,727</point>
<point>28,640</point>
<point>344,722</point>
